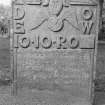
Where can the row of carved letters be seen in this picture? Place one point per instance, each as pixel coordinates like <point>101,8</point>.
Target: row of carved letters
<point>47,43</point>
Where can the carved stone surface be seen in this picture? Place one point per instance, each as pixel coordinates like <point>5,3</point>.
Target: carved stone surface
<point>54,51</point>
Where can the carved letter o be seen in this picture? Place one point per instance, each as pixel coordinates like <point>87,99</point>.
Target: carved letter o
<point>74,42</point>
<point>24,42</point>
<point>46,42</point>
<point>87,13</point>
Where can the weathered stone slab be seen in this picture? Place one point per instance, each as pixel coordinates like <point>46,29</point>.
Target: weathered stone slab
<point>54,51</point>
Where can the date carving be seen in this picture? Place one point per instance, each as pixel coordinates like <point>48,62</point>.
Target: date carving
<point>60,42</point>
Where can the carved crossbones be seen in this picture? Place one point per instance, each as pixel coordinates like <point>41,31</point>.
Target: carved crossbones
<point>55,15</point>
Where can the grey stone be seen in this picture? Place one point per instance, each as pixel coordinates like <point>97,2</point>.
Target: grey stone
<point>54,52</point>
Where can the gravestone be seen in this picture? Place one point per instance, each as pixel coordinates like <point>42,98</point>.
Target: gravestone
<point>54,47</point>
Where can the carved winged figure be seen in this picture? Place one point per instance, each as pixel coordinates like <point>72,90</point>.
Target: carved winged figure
<point>55,15</point>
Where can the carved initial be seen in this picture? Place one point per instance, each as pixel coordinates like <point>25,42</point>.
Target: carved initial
<point>19,22</point>
<point>20,13</point>
<point>87,20</point>
<point>87,26</point>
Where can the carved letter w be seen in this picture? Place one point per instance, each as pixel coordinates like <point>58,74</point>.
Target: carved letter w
<point>87,26</point>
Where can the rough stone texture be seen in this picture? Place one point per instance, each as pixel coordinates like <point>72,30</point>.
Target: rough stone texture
<point>53,52</point>
<point>100,78</point>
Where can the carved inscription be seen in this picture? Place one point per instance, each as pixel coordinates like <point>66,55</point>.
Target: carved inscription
<point>87,22</point>
<point>19,20</point>
<point>55,77</point>
<point>60,42</point>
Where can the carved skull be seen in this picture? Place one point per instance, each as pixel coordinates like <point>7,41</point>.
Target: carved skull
<point>55,7</point>
<point>45,2</point>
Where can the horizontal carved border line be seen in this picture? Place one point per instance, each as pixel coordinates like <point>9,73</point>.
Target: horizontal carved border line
<point>38,2</point>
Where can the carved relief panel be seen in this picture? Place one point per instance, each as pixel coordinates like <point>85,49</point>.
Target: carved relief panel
<point>54,47</point>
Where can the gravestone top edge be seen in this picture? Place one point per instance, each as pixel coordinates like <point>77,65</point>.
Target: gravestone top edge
<point>72,2</point>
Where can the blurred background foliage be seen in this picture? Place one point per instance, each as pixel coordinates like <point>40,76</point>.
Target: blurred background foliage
<point>5,17</point>
<point>5,27</point>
